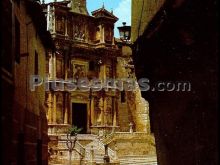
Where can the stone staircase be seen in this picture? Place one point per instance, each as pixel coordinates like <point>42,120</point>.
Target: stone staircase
<point>93,149</point>
<point>99,151</point>
<point>90,146</point>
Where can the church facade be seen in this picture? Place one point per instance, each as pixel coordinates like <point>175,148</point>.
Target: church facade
<point>86,48</point>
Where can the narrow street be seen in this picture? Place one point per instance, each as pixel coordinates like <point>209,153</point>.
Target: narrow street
<point>103,82</point>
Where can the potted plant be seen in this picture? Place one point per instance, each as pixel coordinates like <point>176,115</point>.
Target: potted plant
<point>73,131</point>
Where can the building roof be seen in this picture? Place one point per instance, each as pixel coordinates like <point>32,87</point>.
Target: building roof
<point>102,12</point>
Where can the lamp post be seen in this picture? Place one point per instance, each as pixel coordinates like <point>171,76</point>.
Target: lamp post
<point>125,32</point>
<point>71,142</point>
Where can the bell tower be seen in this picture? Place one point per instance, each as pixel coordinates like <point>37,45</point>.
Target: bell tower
<point>79,6</point>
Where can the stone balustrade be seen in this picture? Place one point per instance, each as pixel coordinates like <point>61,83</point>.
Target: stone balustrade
<point>57,129</point>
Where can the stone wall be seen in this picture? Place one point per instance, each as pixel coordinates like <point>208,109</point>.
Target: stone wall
<point>142,13</point>
<point>25,124</point>
<point>180,42</point>
<point>133,144</point>
<point>136,109</point>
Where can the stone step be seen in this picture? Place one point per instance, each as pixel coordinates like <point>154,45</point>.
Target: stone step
<point>80,137</point>
<point>99,152</point>
<point>137,159</point>
<point>140,160</point>
<point>137,163</point>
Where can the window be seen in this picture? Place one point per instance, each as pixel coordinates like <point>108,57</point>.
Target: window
<point>17,40</point>
<point>91,65</point>
<point>123,100</point>
<point>36,63</point>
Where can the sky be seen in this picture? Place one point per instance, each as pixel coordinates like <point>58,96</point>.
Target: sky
<point>121,9</point>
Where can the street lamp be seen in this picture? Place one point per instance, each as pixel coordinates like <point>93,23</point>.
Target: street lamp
<point>125,32</point>
<point>70,143</point>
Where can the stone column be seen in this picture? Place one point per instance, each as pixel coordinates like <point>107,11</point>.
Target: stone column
<point>114,113</point>
<point>66,109</point>
<point>104,72</point>
<point>49,108</point>
<point>66,21</point>
<point>54,20</point>
<point>113,37</point>
<point>104,109</point>
<point>54,109</point>
<point>102,33</point>
<point>92,111</point>
<point>102,113</point>
<point>66,64</point>
<point>54,66</point>
<point>50,66</point>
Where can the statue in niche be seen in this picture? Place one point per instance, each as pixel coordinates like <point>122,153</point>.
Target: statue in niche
<point>98,34</point>
<point>75,34</point>
<point>109,71</point>
<point>82,35</point>
<point>108,34</point>
<point>100,107</point>
<point>79,32</point>
<point>76,31</point>
<point>60,25</point>
<point>79,71</point>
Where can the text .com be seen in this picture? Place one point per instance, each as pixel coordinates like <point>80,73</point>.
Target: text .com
<point>95,84</point>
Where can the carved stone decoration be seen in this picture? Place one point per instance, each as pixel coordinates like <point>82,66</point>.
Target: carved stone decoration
<point>108,33</point>
<point>98,34</point>
<point>60,24</point>
<point>109,72</point>
<point>109,110</point>
<point>100,108</point>
<point>50,19</point>
<point>59,108</point>
<point>57,45</point>
<point>80,69</point>
<point>97,110</point>
<point>59,68</point>
<point>109,104</point>
<point>69,27</point>
<point>78,97</point>
<point>79,31</point>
